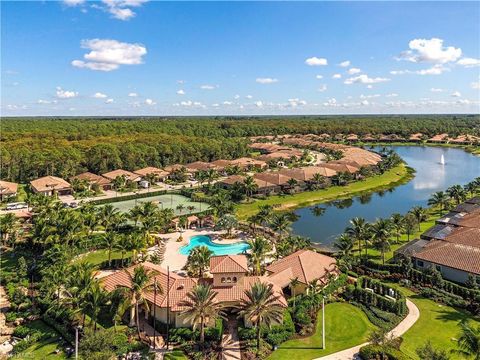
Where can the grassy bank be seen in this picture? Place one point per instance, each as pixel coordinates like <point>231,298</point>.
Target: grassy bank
<point>346,326</point>
<point>393,177</point>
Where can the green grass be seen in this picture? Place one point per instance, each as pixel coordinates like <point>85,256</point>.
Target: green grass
<point>99,256</point>
<point>45,348</point>
<point>437,323</point>
<point>396,175</point>
<point>346,326</point>
<point>175,355</point>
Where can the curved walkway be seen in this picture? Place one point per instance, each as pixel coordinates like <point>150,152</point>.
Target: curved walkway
<point>399,330</point>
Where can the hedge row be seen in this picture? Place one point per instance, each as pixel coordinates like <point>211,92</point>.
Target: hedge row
<point>374,352</point>
<point>377,298</point>
<point>128,197</point>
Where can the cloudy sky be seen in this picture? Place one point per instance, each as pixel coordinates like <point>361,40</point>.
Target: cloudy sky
<point>133,57</point>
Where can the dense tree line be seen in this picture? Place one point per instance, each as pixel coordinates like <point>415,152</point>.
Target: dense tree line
<point>33,147</point>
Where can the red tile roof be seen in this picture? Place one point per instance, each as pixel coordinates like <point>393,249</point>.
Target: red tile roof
<point>8,188</point>
<point>92,178</point>
<point>48,183</point>
<point>228,264</point>
<point>112,175</point>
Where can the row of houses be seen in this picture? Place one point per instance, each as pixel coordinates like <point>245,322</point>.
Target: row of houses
<point>230,278</point>
<point>463,139</point>
<point>452,245</point>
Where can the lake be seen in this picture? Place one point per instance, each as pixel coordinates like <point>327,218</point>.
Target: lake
<point>460,168</point>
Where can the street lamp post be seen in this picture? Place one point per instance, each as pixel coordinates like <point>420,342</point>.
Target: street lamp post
<point>76,342</point>
<point>323,322</point>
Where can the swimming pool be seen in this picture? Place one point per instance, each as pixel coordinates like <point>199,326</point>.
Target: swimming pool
<point>217,249</point>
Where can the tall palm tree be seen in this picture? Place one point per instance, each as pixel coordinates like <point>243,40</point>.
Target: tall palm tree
<point>318,180</point>
<point>140,282</point>
<point>469,340</point>
<point>420,214</point>
<point>281,224</point>
<point>358,231</point>
<point>344,243</point>
<point>199,260</point>
<point>201,307</point>
<point>398,224</point>
<point>95,298</point>
<point>293,285</point>
<point>381,232</point>
<point>8,225</point>
<point>259,248</point>
<point>261,307</point>
<point>107,216</point>
<point>410,224</point>
<point>265,215</point>
<point>457,193</point>
<point>250,186</point>
<point>439,199</point>
<point>124,244</point>
<point>109,240</point>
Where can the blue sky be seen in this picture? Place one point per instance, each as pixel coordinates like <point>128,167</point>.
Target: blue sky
<point>133,57</point>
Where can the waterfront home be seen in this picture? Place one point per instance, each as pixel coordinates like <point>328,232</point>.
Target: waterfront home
<point>51,185</point>
<point>7,189</point>
<point>352,138</point>
<point>158,174</point>
<point>439,138</point>
<point>200,166</point>
<point>263,186</point>
<point>94,180</point>
<point>279,180</point>
<point>246,163</point>
<point>305,266</point>
<point>128,175</point>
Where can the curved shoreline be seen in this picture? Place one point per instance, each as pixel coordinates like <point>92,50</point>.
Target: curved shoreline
<point>396,176</point>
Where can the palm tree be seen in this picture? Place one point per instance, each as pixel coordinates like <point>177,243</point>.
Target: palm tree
<point>261,307</point>
<point>358,231</point>
<point>381,232</point>
<point>95,298</point>
<point>107,216</point>
<point>140,281</point>
<point>293,285</point>
<point>211,176</point>
<point>292,183</point>
<point>410,224</point>
<point>199,260</point>
<point>398,224</point>
<point>281,224</point>
<point>201,307</point>
<point>265,215</point>
<point>180,208</point>
<point>469,340</point>
<point>457,193</point>
<point>318,180</point>
<point>439,199</point>
<point>420,214</point>
<point>250,186</point>
<point>8,224</point>
<point>259,249</point>
<point>190,209</point>
<point>123,244</point>
<point>109,240</point>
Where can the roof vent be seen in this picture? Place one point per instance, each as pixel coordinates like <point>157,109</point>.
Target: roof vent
<point>180,287</point>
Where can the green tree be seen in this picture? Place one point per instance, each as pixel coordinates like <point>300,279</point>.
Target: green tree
<point>398,224</point>
<point>468,341</point>
<point>381,232</point>
<point>439,199</point>
<point>198,260</point>
<point>259,248</point>
<point>428,352</point>
<point>420,214</point>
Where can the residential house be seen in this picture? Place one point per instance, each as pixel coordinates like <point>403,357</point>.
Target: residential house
<point>7,189</point>
<point>51,185</point>
<point>94,180</point>
<point>129,176</point>
<point>159,174</point>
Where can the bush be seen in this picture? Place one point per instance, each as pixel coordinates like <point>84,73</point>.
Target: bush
<point>181,335</point>
<point>246,333</point>
<point>22,331</point>
<point>10,316</point>
<point>374,352</point>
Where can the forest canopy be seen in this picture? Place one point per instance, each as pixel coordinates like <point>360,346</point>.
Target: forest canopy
<point>34,147</point>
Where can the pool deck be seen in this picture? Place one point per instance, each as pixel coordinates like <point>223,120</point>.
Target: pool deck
<point>176,261</point>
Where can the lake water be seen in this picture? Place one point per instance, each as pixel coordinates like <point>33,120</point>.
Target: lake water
<point>460,168</point>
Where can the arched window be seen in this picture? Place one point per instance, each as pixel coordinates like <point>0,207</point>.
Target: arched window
<point>229,279</point>
<point>234,279</point>
<point>223,280</point>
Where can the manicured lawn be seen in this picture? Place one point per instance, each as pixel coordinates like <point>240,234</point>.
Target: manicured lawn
<point>99,256</point>
<point>45,348</point>
<point>346,326</point>
<point>437,323</point>
<point>175,355</point>
<point>398,174</point>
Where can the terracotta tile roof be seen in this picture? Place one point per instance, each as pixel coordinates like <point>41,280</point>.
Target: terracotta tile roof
<point>454,255</point>
<point>341,167</point>
<point>245,162</point>
<point>92,178</point>
<point>467,208</point>
<point>174,167</point>
<point>272,177</point>
<point>352,137</point>
<point>282,154</point>
<point>8,188</point>
<point>439,137</point>
<point>200,166</point>
<point>151,170</point>
<point>232,179</point>
<point>307,173</point>
<point>282,278</point>
<point>228,264</point>
<point>120,172</point>
<point>465,236</point>
<point>267,147</point>
<point>222,164</point>
<point>47,183</point>
<point>307,265</point>
<point>416,136</point>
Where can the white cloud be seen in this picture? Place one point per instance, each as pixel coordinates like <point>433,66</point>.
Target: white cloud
<point>108,55</point>
<point>249,96</point>
<point>296,102</point>
<point>322,88</point>
<point>73,2</point>
<point>456,94</point>
<point>109,101</point>
<point>315,61</point>
<point>149,102</point>
<point>319,77</point>
<point>436,90</point>
<point>365,102</point>
<point>369,96</point>
<point>41,101</point>
<point>430,50</point>
<point>391,95</point>
<point>434,70</point>
<point>336,76</point>
<point>331,102</point>
<point>369,86</point>
<point>208,87</point>
<point>345,63</point>
<point>364,79</point>
<point>132,94</point>
<point>120,9</point>
<point>258,103</point>
<point>354,71</point>
<point>266,80</point>
<point>227,103</point>
<point>65,94</point>
<point>236,97</point>
<point>99,95</point>
<point>475,85</point>
<point>180,92</point>
<point>469,62</point>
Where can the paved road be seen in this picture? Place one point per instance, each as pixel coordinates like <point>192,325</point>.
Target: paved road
<point>399,330</point>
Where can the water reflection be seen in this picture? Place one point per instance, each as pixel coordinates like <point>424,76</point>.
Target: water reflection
<point>460,167</point>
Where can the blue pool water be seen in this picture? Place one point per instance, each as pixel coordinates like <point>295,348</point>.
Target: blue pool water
<point>217,249</point>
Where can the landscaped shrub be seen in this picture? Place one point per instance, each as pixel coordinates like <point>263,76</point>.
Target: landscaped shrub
<point>374,352</point>
<point>280,333</point>
<point>128,197</point>
<point>383,319</point>
<point>22,331</point>
<point>245,333</point>
<point>181,335</point>
<point>378,298</point>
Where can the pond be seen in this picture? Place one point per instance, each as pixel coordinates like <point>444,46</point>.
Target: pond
<point>324,222</point>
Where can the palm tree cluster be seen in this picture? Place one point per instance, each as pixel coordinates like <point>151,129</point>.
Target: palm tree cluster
<point>454,195</point>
